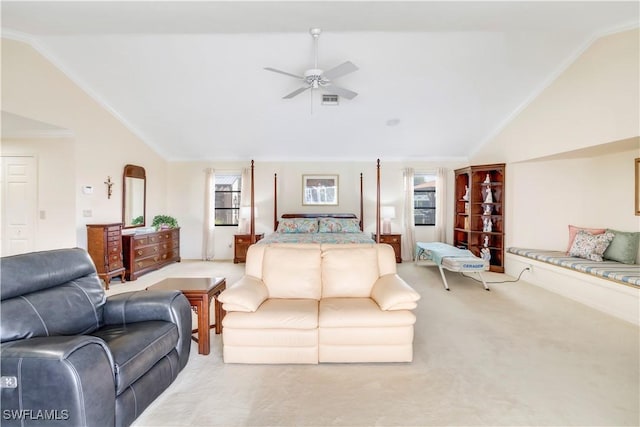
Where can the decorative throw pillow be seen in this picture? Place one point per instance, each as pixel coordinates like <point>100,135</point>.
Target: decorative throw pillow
<point>298,225</point>
<point>339,225</point>
<point>623,247</point>
<point>590,246</point>
<point>573,230</point>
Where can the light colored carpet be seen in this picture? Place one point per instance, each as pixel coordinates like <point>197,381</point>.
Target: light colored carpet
<point>516,356</point>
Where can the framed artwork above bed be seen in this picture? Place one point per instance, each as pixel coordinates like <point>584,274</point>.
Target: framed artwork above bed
<point>320,190</point>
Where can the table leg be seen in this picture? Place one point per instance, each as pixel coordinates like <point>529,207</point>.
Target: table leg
<point>219,316</point>
<point>203,324</point>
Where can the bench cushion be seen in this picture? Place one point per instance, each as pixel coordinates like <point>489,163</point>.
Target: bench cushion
<point>628,274</point>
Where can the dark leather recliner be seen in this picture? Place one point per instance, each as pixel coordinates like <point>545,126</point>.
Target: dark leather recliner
<point>70,356</point>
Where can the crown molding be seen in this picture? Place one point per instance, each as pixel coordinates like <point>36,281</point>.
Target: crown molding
<point>38,134</point>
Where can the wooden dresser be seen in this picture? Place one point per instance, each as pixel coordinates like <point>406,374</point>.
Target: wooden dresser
<point>149,251</point>
<point>104,244</point>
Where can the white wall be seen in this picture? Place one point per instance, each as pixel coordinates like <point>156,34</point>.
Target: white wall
<point>570,153</point>
<point>186,196</point>
<point>594,101</point>
<point>546,196</point>
<point>56,195</point>
<point>32,87</point>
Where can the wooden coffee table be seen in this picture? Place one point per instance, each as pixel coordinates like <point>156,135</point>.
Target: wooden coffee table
<point>199,291</point>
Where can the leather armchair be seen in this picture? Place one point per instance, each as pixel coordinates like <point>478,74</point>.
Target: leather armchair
<point>72,356</point>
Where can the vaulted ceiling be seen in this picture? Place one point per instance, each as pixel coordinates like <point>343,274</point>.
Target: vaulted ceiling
<point>436,80</point>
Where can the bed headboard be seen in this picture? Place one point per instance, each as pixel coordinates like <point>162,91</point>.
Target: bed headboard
<point>320,215</point>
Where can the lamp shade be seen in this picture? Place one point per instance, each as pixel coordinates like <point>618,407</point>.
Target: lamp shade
<point>388,212</point>
<point>245,212</point>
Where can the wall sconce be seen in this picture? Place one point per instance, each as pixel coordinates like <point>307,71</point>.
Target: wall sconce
<point>109,184</point>
<point>387,213</point>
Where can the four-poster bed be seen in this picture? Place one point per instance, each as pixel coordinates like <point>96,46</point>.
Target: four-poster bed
<point>316,227</point>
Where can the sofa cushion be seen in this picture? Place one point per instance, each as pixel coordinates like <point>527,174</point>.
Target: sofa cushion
<point>276,314</point>
<point>245,295</point>
<point>67,309</point>
<point>360,312</point>
<point>390,292</point>
<point>290,272</point>
<point>349,271</point>
<point>136,347</point>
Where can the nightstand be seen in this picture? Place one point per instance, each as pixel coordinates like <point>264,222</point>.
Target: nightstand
<point>395,241</point>
<point>241,243</point>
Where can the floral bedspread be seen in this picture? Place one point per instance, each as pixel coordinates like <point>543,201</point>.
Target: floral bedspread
<point>317,238</point>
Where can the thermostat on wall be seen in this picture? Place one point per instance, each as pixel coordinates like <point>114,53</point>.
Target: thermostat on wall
<point>87,189</point>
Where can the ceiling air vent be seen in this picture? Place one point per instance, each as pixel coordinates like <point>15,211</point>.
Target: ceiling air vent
<point>329,99</point>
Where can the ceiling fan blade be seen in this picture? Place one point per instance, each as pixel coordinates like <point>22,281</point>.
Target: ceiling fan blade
<point>283,72</point>
<point>340,70</point>
<point>345,93</point>
<point>296,92</point>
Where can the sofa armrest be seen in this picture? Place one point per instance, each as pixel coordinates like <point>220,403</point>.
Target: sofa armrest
<point>247,294</point>
<point>69,380</point>
<point>141,306</point>
<point>390,292</point>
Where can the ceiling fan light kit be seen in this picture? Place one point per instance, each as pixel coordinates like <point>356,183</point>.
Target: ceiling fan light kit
<point>316,78</point>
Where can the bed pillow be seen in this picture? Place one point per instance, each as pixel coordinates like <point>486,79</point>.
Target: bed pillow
<point>590,246</point>
<point>573,230</point>
<point>339,225</point>
<point>298,225</point>
<point>624,247</point>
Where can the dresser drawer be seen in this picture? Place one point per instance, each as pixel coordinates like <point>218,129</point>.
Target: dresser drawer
<point>168,246</point>
<point>146,251</point>
<point>141,263</point>
<point>115,265</point>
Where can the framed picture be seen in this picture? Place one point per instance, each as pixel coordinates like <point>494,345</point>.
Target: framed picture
<point>319,190</point>
<point>638,186</point>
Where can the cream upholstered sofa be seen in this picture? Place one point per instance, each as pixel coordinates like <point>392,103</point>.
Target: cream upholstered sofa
<point>310,303</point>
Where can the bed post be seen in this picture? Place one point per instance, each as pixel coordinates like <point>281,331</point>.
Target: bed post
<point>275,201</point>
<point>378,202</point>
<point>253,207</point>
<point>361,206</point>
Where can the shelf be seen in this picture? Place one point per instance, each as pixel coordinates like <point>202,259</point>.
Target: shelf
<point>471,181</point>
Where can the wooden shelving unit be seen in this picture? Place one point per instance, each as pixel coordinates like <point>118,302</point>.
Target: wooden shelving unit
<point>479,218</point>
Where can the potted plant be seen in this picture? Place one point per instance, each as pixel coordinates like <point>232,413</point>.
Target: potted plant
<point>163,222</point>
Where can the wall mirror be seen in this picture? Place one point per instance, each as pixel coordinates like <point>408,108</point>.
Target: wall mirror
<point>134,198</point>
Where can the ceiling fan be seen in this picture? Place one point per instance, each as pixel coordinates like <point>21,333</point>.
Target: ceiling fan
<point>316,78</point>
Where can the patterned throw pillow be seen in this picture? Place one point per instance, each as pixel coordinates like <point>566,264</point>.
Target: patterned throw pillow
<point>339,225</point>
<point>589,246</point>
<point>298,225</point>
<point>573,230</point>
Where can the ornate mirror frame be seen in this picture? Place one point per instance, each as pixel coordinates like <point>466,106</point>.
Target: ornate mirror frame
<point>134,197</point>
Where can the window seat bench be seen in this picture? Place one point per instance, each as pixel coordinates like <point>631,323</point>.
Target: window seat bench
<point>608,286</point>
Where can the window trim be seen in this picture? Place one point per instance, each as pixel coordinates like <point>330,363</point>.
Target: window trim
<point>216,208</point>
<point>417,209</point>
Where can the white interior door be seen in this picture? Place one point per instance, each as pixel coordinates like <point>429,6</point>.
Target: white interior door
<point>19,204</point>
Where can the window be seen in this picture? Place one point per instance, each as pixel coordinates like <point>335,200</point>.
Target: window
<point>227,197</point>
<point>424,199</point>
